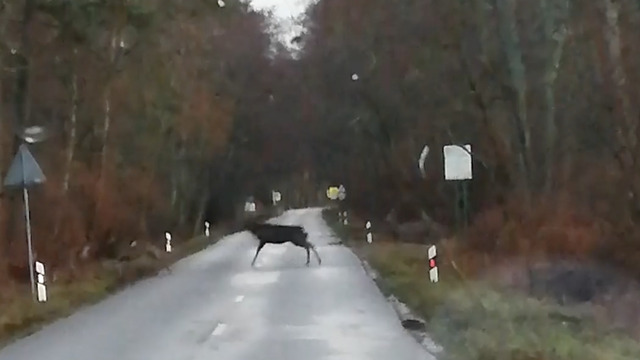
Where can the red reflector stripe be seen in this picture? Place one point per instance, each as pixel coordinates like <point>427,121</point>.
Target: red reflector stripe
<point>432,263</point>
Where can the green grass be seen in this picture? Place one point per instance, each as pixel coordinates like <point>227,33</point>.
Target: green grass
<point>474,321</point>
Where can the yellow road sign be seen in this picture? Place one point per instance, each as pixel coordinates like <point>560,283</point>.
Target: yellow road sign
<point>333,192</point>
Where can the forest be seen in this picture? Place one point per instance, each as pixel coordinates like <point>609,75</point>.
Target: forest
<point>163,114</point>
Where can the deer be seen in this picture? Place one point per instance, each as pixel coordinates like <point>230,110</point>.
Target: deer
<point>281,234</point>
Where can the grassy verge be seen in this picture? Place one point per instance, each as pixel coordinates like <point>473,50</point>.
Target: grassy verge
<point>20,316</point>
<point>474,321</point>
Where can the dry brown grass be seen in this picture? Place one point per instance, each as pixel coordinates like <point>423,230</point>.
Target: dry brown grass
<point>473,319</point>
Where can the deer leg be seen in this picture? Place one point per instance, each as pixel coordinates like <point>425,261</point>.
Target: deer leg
<point>257,252</point>
<point>308,255</point>
<point>313,248</point>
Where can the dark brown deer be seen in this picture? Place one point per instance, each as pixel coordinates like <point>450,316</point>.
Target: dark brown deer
<point>281,234</point>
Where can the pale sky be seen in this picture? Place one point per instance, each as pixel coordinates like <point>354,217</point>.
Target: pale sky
<point>286,12</point>
<point>283,9</point>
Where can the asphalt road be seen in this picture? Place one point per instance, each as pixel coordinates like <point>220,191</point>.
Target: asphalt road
<point>215,306</point>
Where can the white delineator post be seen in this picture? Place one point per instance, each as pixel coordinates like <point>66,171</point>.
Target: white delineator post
<point>41,285</point>
<point>433,266</point>
<point>207,232</point>
<point>369,235</point>
<point>167,245</point>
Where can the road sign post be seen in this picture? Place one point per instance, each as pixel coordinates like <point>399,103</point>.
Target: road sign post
<point>42,287</point>
<point>458,167</point>
<point>433,266</point>
<point>24,173</point>
<point>167,246</point>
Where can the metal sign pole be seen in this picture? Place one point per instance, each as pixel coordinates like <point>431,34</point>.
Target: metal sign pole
<point>465,202</point>
<point>458,206</point>
<point>27,217</point>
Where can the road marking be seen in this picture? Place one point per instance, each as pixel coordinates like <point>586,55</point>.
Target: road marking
<point>239,298</point>
<point>219,329</point>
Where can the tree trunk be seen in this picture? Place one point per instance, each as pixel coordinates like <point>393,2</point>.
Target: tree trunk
<point>4,213</point>
<point>73,120</point>
<point>556,36</point>
<point>104,131</point>
<point>198,226</point>
<point>106,123</point>
<point>626,131</point>
<point>511,44</point>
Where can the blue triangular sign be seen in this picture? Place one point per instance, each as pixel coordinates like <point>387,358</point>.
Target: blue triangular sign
<point>24,170</point>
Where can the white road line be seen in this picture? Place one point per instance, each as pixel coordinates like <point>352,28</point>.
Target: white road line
<point>219,329</point>
<point>239,298</point>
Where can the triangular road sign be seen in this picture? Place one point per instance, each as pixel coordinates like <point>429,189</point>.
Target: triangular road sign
<point>24,170</point>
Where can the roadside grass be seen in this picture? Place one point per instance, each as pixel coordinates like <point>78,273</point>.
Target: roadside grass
<point>473,320</point>
<point>21,316</point>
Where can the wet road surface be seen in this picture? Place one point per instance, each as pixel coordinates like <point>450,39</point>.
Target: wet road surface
<point>215,306</point>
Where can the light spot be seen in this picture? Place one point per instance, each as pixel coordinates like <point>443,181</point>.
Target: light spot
<point>239,298</point>
<point>218,330</point>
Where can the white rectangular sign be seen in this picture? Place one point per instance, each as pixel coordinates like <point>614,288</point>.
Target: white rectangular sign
<point>433,274</point>
<point>432,252</point>
<point>39,267</point>
<point>457,162</point>
<point>250,207</point>
<point>42,293</point>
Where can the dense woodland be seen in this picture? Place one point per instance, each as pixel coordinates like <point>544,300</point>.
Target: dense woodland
<point>163,113</point>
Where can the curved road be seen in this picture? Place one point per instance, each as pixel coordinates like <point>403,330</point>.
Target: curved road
<point>215,306</point>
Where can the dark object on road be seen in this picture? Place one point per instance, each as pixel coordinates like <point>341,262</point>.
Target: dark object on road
<point>280,234</point>
<point>413,324</point>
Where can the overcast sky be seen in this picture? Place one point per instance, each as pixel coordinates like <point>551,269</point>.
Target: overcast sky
<point>285,11</point>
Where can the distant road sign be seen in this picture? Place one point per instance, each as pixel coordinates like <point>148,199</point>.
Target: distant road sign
<point>24,170</point>
<point>276,196</point>
<point>457,162</point>
<point>250,206</point>
<point>333,192</point>
<point>342,193</point>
